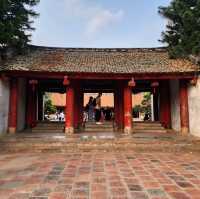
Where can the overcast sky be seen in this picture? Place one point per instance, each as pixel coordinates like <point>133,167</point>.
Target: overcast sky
<point>99,23</point>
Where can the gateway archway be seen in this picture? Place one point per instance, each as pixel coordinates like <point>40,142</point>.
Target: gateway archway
<point>75,71</point>
<point>119,109</point>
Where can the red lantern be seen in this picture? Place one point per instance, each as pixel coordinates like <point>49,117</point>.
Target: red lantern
<point>132,83</point>
<point>193,81</point>
<point>154,85</point>
<point>33,83</point>
<point>66,81</point>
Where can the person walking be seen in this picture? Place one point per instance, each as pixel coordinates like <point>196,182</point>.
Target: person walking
<point>90,108</point>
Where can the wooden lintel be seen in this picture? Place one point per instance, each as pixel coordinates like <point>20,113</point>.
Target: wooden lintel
<point>99,76</point>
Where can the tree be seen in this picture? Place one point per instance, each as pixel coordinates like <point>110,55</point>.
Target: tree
<point>136,110</point>
<point>49,108</point>
<point>15,22</point>
<point>146,104</point>
<point>183,29</point>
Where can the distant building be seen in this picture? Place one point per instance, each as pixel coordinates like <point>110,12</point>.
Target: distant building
<point>107,99</point>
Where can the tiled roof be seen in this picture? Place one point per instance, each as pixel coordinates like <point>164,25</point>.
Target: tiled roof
<point>91,60</point>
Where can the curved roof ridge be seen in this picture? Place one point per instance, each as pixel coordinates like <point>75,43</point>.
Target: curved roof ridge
<point>80,49</point>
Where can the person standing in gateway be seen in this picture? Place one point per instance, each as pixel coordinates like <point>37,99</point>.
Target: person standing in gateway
<point>98,108</point>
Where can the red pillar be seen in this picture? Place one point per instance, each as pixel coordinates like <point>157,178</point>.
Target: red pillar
<point>165,104</point>
<point>34,122</point>
<point>120,97</point>
<point>116,107</point>
<point>184,112</point>
<point>32,104</point>
<point>155,106</point>
<point>76,105</point>
<point>127,109</point>
<point>12,123</point>
<point>69,111</point>
<point>81,108</point>
<point>29,106</point>
<point>40,105</point>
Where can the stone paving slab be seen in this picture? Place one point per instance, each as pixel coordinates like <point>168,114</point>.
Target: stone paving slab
<point>100,175</point>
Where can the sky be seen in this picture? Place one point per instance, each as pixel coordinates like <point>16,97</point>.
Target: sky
<point>99,23</point>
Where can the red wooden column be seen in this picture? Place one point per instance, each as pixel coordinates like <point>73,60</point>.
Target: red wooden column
<point>34,89</point>
<point>69,109</point>
<point>165,104</point>
<point>155,106</point>
<point>81,108</point>
<point>155,86</point>
<point>116,107</point>
<point>76,105</point>
<point>128,106</point>
<point>184,112</point>
<point>121,106</point>
<point>32,104</point>
<point>40,105</point>
<point>12,123</point>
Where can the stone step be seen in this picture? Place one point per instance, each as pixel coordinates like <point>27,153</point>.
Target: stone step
<point>98,130</point>
<point>93,127</point>
<point>148,127</point>
<point>151,124</point>
<point>105,145</point>
<point>149,131</point>
<point>50,124</point>
<point>47,130</point>
<point>99,125</point>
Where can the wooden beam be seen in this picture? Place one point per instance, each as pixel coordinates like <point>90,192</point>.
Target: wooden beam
<point>99,76</point>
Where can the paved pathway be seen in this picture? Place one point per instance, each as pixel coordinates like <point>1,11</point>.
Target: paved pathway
<point>99,175</point>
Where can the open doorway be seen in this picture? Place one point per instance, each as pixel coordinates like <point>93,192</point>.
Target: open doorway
<point>54,107</point>
<point>142,106</point>
<point>98,107</point>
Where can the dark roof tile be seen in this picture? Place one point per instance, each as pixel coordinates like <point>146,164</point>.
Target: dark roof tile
<point>95,60</point>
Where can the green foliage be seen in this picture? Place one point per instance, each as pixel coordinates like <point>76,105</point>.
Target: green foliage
<point>136,110</point>
<point>146,104</point>
<point>49,108</point>
<point>15,22</point>
<point>183,29</point>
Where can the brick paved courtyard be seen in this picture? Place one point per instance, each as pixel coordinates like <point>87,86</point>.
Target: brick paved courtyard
<point>100,175</point>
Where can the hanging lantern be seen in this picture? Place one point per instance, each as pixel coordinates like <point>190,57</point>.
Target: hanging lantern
<point>66,81</point>
<point>154,85</point>
<point>33,82</point>
<point>132,83</point>
<point>193,81</point>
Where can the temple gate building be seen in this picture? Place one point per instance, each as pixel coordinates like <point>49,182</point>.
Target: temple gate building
<point>173,83</point>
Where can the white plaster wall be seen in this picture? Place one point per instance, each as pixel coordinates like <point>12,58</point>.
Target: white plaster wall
<point>21,114</point>
<point>194,108</point>
<point>4,105</point>
<point>175,105</point>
